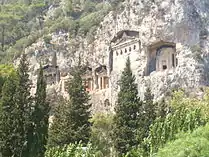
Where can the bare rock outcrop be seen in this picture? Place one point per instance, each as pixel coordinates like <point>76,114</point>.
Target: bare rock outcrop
<point>184,23</point>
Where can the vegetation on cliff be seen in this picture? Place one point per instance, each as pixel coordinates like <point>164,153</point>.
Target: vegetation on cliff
<point>22,23</point>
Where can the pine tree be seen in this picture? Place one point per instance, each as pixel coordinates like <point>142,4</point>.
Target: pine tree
<point>40,118</point>
<point>127,112</point>
<point>71,119</point>
<point>22,112</point>
<point>7,127</point>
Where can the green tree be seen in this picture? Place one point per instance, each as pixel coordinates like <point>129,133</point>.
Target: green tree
<point>149,112</point>
<point>40,118</point>
<point>7,118</point>
<point>71,118</point>
<point>59,130</point>
<point>127,112</point>
<point>80,113</point>
<point>148,115</point>
<point>23,111</point>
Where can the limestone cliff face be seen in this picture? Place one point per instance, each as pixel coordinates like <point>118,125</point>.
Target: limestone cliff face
<point>184,23</point>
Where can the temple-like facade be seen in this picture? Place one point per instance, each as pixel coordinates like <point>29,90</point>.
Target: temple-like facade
<point>101,81</point>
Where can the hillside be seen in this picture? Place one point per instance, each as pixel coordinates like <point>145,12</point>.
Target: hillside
<point>24,22</point>
<point>169,40</point>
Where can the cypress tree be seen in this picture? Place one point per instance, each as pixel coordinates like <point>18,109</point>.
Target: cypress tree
<point>127,112</point>
<point>59,129</point>
<point>23,111</point>
<point>71,119</point>
<point>80,113</point>
<point>40,118</point>
<point>7,127</point>
<point>149,112</point>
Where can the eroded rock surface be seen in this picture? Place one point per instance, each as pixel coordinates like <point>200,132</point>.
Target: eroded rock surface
<point>184,23</point>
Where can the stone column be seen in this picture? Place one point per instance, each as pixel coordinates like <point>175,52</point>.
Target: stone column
<point>92,87</point>
<point>99,82</point>
<point>95,82</point>
<point>103,84</point>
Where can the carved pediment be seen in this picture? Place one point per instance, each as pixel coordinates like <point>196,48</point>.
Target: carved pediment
<point>123,40</point>
<point>101,70</point>
<point>124,35</point>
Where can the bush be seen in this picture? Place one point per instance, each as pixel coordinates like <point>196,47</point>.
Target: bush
<point>194,144</point>
<point>165,130</point>
<point>47,39</point>
<point>71,150</point>
<point>101,133</point>
<point>6,69</point>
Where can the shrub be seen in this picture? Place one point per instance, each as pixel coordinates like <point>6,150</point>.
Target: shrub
<point>165,130</point>
<point>194,144</point>
<point>47,39</point>
<point>71,150</point>
<point>6,69</point>
<point>101,133</point>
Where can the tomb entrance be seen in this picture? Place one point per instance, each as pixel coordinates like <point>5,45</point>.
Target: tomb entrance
<point>161,56</point>
<point>102,80</point>
<point>125,43</point>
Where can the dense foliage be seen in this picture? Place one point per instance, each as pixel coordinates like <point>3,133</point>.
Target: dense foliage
<point>22,23</point>
<point>6,69</point>
<point>18,115</point>
<point>180,117</point>
<point>72,150</point>
<point>194,144</point>
<point>6,118</point>
<point>165,130</point>
<point>22,110</point>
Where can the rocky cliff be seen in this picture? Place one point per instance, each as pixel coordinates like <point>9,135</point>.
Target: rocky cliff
<point>184,23</point>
